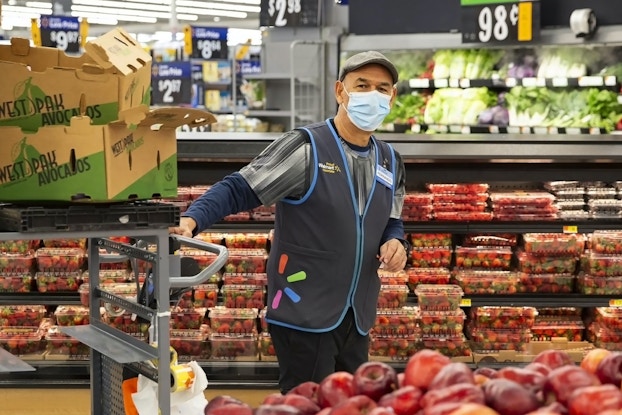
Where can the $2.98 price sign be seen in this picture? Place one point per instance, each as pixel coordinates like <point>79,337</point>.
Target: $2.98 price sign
<point>172,83</point>
<point>500,21</point>
<point>289,13</point>
<point>62,32</point>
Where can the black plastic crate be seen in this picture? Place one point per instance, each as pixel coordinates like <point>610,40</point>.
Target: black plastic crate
<point>79,217</point>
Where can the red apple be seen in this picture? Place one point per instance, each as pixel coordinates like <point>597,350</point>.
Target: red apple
<point>400,379</point>
<point>609,370</point>
<point>404,401</point>
<point>452,374</point>
<point>273,399</point>
<point>308,389</point>
<point>304,404</point>
<point>460,392</point>
<point>489,372</point>
<point>594,399</point>
<point>564,380</point>
<point>381,411</point>
<point>232,409</point>
<point>591,360</point>
<point>278,409</point>
<point>553,358</point>
<point>374,379</point>
<point>218,401</point>
<point>325,411</point>
<point>423,366</point>
<point>509,398</point>
<point>335,388</point>
<point>528,378</point>
<point>554,408</point>
<point>354,405</point>
<point>539,367</point>
<point>474,409</point>
<point>444,408</point>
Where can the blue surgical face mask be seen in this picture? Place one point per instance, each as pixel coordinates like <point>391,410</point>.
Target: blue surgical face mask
<point>367,110</point>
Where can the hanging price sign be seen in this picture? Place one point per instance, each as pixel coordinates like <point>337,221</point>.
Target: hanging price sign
<point>500,21</point>
<point>62,32</point>
<point>289,13</point>
<point>171,83</point>
<point>207,42</point>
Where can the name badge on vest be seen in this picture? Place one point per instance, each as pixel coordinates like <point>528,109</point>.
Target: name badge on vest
<point>384,176</point>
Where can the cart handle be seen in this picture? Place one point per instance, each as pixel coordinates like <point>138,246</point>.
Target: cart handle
<point>211,269</point>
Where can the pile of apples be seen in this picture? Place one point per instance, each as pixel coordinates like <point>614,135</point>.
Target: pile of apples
<point>432,384</point>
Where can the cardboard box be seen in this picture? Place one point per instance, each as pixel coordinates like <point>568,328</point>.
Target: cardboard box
<point>98,163</point>
<point>576,351</point>
<point>43,86</point>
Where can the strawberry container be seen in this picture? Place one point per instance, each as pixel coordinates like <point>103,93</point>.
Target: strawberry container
<point>71,315</point>
<point>521,198</point>
<point>125,290</point>
<point>606,242</point>
<point>598,333</point>
<point>205,295</point>
<point>414,213</point>
<point>486,282</point>
<point>233,320</point>
<point>15,282</point>
<point>246,240</point>
<point>18,246</point>
<point>554,244</point>
<point>187,319</point>
<point>234,278</point>
<point>211,237</point>
<point>417,198</point>
<point>392,296</point>
<point>442,323</point>
<point>438,297</point>
<point>593,192</point>
<point>524,217</point>
<point>451,346</point>
<point>392,348</point>
<point>505,317</point>
<point>234,346</point>
<point>560,311</point>
<point>430,257</point>
<point>499,239</point>
<point>460,207</point>
<point>610,317</point>
<point>599,265</point>
<point>203,258</point>
<point>483,257</point>
<point>60,259</point>
<point>430,240</point>
<point>246,261</point>
<point>463,216</point>
<point>17,262</point>
<point>126,322</point>
<point>397,322</point>
<point>392,278</point>
<point>114,276</point>
<point>190,343</point>
<point>266,348</point>
<point>243,296</point>
<point>460,198</point>
<point>65,243</point>
<point>184,193</point>
<point>590,285</point>
<point>185,300</point>
<point>538,264</point>
<point>238,217</point>
<point>21,315</point>
<point>56,281</point>
<point>263,213</point>
<point>547,328</point>
<point>462,188</point>
<point>483,339</point>
<point>418,276</point>
<point>21,340</point>
<point>557,185</point>
<point>59,344</point>
<point>546,283</point>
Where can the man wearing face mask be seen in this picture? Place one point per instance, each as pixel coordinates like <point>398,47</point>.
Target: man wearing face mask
<point>339,193</point>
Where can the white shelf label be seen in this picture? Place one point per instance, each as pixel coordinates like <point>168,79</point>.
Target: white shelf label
<point>595,131</point>
<point>513,130</point>
<point>610,80</point>
<point>525,130</point>
<point>455,129</point>
<point>419,83</point>
<point>530,82</point>
<point>465,130</point>
<point>541,130</point>
<point>441,83</point>
<point>560,82</point>
<point>572,130</point>
<point>553,130</point>
<point>493,129</point>
<point>465,83</point>
<point>591,81</point>
<point>510,82</point>
<point>454,83</point>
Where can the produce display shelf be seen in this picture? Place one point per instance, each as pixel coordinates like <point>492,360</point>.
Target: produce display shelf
<point>537,300</point>
<point>494,129</point>
<point>554,226</point>
<point>57,298</point>
<point>559,82</point>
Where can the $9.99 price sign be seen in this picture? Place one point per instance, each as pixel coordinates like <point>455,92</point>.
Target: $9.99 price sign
<point>289,13</point>
<point>500,21</point>
<point>171,83</point>
<point>62,32</point>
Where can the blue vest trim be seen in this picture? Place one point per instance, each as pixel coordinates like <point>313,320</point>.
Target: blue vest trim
<point>315,173</point>
<point>323,330</point>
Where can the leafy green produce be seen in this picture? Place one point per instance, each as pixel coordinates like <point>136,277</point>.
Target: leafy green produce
<point>406,108</point>
<point>465,63</point>
<point>455,106</point>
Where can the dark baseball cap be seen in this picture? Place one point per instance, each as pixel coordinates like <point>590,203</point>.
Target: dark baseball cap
<point>366,58</point>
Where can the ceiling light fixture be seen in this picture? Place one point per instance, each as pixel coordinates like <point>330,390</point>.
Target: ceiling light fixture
<point>212,12</point>
<point>137,19</point>
<point>212,5</point>
<point>125,12</point>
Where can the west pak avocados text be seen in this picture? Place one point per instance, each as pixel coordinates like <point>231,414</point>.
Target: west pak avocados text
<point>51,107</point>
<point>45,166</point>
<point>127,143</point>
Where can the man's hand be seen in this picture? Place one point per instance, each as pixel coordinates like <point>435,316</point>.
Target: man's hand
<point>185,228</point>
<point>393,255</point>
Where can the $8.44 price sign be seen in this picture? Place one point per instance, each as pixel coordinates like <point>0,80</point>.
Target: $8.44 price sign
<point>500,21</point>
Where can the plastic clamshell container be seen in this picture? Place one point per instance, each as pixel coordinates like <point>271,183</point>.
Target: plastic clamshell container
<point>21,341</point>
<point>65,243</point>
<point>203,258</point>
<point>60,259</point>
<point>263,324</point>
<point>483,257</point>
<point>257,278</point>
<point>451,346</point>
<point>392,348</point>
<point>190,343</point>
<point>538,264</point>
<point>599,265</point>
<point>430,257</point>
<point>126,290</point>
<point>464,216</point>
<point>418,276</point>
<point>53,281</point>
<point>59,344</point>
<point>243,240</point>
<point>392,278</point>
<point>490,339</point>
<point>593,192</point>
<point>126,322</point>
<point>460,207</point>
<point>610,317</point>
<point>546,329</point>
<point>243,296</point>
<point>461,198</point>
<point>17,262</point>
<point>558,185</point>
<point>392,296</point>
<point>216,238</point>
<point>417,198</point>
<point>598,332</point>
<point>234,347</point>
<point>397,322</point>
<point>18,246</point>
<point>546,283</point>
<point>606,242</point>
<point>560,311</point>
<point>233,320</point>
<point>21,315</point>
<point>205,295</point>
<point>266,348</point>
<point>71,315</point>
<point>535,198</point>
<point>523,217</point>
<point>15,282</point>
<point>486,282</point>
<point>430,240</point>
<point>442,323</point>
<point>184,193</point>
<point>570,194</point>
<point>238,217</point>
<point>438,297</point>
<point>467,188</point>
<point>112,276</point>
<point>246,261</point>
<point>504,317</point>
<point>554,243</point>
<point>187,319</point>
<point>479,239</point>
<point>590,285</point>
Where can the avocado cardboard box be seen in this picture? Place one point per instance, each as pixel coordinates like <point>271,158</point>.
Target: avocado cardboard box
<point>44,86</point>
<point>98,163</point>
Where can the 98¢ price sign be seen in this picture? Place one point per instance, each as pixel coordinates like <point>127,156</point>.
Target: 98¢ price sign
<point>62,32</point>
<point>500,21</point>
<point>171,83</point>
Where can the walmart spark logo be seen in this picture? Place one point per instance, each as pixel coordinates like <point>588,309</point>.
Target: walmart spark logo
<point>292,278</point>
